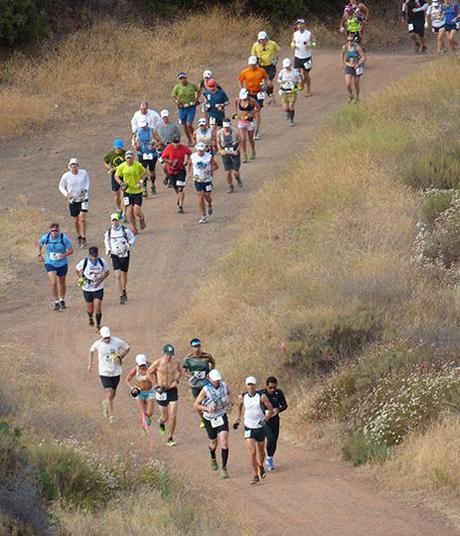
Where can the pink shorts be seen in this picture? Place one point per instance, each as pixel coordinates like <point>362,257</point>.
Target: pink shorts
<point>248,125</point>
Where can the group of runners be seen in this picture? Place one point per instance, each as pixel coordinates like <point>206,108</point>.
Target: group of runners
<point>156,139</point>
<point>157,382</point>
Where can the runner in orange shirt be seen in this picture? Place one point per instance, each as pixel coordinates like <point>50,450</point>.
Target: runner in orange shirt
<point>254,79</point>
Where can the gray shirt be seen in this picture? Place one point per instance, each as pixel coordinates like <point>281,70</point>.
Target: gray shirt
<point>168,132</point>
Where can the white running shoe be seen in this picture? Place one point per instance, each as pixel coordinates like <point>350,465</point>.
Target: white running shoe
<point>105,409</point>
<point>203,219</point>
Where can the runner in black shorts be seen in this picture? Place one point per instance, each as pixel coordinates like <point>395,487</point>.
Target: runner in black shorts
<point>415,12</point>
<point>170,395</point>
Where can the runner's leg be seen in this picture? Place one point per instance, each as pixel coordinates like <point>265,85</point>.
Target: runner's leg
<point>173,415</point>
<point>260,453</point>
<point>109,396</point>
<point>223,440</point>
<point>82,218</point>
<point>53,280</point>
<point>201,203</point>
<point>251,443</point>
<point>98,312</point>
<point>62,286</point>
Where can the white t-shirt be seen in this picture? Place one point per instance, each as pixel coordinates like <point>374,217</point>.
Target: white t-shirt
<point>201,167</point>
<point>107,355</point>
<point>77,185</point>
<point>289,79</point>
<point>93,272</point>
<point>302,41</point>
<point>153,120</point>
<point>120,241</point>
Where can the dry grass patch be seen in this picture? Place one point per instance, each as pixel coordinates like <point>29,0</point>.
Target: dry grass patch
<point>95,70</point>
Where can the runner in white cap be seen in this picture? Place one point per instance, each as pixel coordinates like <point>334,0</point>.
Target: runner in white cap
<point>118,241</point>
<point>256,408</point>
<point>74,186</point>
<point>302,43</point>
<point>142,390</point>
<point>202,166</point>
<point>290,83</point>
<point>110,352</point>
<point>205,134</point>
<point>228,144</point>
<point>214,401</point>
<point>248,115</point>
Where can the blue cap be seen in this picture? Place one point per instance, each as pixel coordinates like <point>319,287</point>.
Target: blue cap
<point>118,143</point>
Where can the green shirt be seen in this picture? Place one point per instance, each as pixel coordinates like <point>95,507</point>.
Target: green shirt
<point>199,367</point>
<point>186,94</point>
<point>131,175</point>
<point>114,159</point>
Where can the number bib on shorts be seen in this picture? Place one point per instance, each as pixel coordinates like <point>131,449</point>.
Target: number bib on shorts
<point>217,421</point>
<point>161,396</point>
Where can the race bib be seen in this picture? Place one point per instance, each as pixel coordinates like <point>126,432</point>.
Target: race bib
<point>161,396</point>
<point>84,205</point>
<point>247,434</point>
<point>200,374</point>
<point>359,70</point>
<point>261,95</point>
<point>126,201</point>
<point>180,183</point>
<point>307,64</point>
<point>212,120</point>
<point>217,421</point>
<point>55,256</point>
<point>410,27</point>
<point>147,156</point>
<point>208,187</point>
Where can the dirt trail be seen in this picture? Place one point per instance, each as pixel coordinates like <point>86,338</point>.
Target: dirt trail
<point>305,495</point>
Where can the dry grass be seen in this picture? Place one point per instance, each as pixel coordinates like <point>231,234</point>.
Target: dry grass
<point>95,70</point>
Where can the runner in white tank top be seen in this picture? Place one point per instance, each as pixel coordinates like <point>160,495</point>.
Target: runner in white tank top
<point>257,408</point>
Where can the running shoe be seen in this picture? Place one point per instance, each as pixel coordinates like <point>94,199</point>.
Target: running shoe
<point>245,158</point>
<point>269,463</point>
<point>62,304</point>
<point>209,210</point>
<point>149,420</point>
<point>145,193</point>
<point>79,241</point>
<point>112,419</point>
<point>98,328</point>
<point>142,223</point>
<point>203,219</point>
<point>255,480</point>
<point>105,409</point>
<point>214,465</point>
<point>180,210</point>
<point>171,442</point>
<point>153,189</point>
<point>56,306</point>
<point>262,473</point>
<point>350,99</point>
<point>91,322</point>
<point>230,189</point>
<point>166,182</point>
<point>162,429</point>
<point>224,473</point>
<point>256,136</point>
<point>417,47</point>
<point>252,155</point>
<point>307,93</point>
<point>291,122</point>
<point>123,298</point>
<point>240,182</point>
<point>423,50</point>
<point>84,243</point>
<point>124,219</point>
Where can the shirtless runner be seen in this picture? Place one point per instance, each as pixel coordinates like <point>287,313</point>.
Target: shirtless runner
<point>165,374</point>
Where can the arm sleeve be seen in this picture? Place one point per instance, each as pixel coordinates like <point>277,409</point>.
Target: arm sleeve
<point>283,403</point>
<point>62,186</point>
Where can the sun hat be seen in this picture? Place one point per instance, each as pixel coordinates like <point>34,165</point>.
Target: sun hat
<point>207,74</point>
<point>300,21</point>
<point>129,153</point>
<point>195,342</point>
<point>118,143</point>
<point>262,35</point>
<point>73,161</point>
<point>287,62</point>
<point>202,121</point>
<point>182,74</point>
<point>115,216</point>
<point>200,146</point>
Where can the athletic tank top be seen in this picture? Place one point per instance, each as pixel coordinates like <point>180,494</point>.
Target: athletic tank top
<point>353,25</point>
<point>201,167</point>
<point>204,137</point>
<point>217,396</point>
<point>229,141</point>
<point>248,108</point>
<point>254,415</point>
<point>352,55</point>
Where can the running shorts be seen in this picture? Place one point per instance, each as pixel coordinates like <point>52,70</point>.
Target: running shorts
<point>91,295</point>
<point>450,27</point>
<point>352,71</point>
<point>254,433</point>
<point>132,199</point>
<point>417,28</point>
<point>186,115</point>
<point>148,164</point>
<point>288,98</point>
<point>436,30</point>
<point>203,186</point>
<point>164,398</point>
<point>110,382</point>
<point>213,431</point>
<point>177,181</point>
<point>76,207</point>
<point>231,162</point>
<point>248,125</point>
<point>299,63</point>
<point>260,102</point>
<point>270,70</point>
<point>146,395</point>
<point>61,271</point>
<point>120,263</point>
<point>196,391</point>
<point>115,185</point>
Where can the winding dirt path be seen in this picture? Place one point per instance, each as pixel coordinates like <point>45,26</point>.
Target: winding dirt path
<point>306,495</point>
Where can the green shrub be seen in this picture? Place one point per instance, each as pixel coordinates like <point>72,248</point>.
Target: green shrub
<point>21,21</point>
<point>435,167</point>
<point>401,403</point>
<point>322,347</point>
<point>12,456</point>
<point>437,201</point>
<point>361,448</point>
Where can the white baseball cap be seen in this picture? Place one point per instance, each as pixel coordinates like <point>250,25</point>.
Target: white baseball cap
<point>141,359</point>
<point>227,123</point>
<point>207,74</point>
<point>202,121</point>
<point>215,375</point>
<point>252,60</point>
<point>200,146</point>
<point>287,62</point>
<point>164,113</point>
<point>262,35</point>
<point>104,332</point>
<point>251,380</point>
<point>73,161</point>
<point>243,93</point>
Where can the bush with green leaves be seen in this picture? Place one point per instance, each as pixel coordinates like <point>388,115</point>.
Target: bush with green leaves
<point>21,21</point>
<point>360,448</point>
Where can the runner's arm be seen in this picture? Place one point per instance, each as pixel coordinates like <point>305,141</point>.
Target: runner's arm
<point>125,351</point>
<point>362,56</point>
<point>239,409</point>
<point>130,376</point>
<point>63,187</point>
<point>152,374</point>
<point>271,411</point>
<point>198,406</point>
<point>214,165</point>
<point>90,360</point>
<point>283,402</point>
<point>107,243</point>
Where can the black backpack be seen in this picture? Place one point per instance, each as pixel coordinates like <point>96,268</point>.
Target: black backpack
<point>125,234</point>
<point>85,264</point>
<point>48,236</point>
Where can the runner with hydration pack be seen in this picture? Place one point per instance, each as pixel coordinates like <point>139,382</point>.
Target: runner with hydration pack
<point>214,400</point>
<point>451,11</point>
<point>144,142</point>
<point>92,272</point>
<point>111,161</point>
<point>228,145</point>
<point>351,24</point>
<point>57,248</point>
<point>202,166</point>
<point>415,15</point>
<point>205,134</point>
<point>143,391</point>
<point>353,58</point>
<point>266,51</point>
<point>290,82</point>
<point>118,241</point>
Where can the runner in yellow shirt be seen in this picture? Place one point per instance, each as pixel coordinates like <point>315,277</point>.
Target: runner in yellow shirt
<point>130,175</point>
<point>266,51</point>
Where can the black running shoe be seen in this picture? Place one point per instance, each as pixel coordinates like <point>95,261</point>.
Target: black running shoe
<point>91,322</point>
<point>62,304</point>
<point>262,473</point>
<point>56,306</point>
<point>123,298</point>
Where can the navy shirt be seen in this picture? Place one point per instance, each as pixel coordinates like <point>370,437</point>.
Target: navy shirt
<point>219,97</point>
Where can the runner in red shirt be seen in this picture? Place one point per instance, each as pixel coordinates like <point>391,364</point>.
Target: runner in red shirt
<point>176,157</point>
